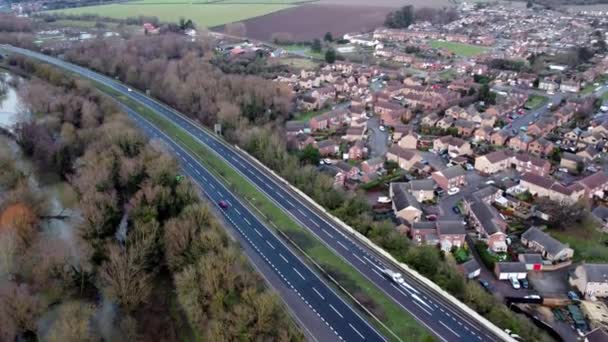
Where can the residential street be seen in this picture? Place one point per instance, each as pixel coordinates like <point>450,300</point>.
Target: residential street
<point>378,140</point>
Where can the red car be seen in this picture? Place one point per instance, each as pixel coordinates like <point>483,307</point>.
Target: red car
<point>223,204</point>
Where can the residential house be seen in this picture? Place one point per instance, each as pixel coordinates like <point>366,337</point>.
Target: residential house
<point>571,86</point>
<point>591,280</point>
<point>424,233</point>
<point>355,133</point>
<point>541,147</point>
<point>430,120</point>
<point>520,142</point>
<point>533,261</point>
<point>548,84</point>
<point>470,268</point>
<point>543,186</point>
<point>358,151</point>
<point>547,246</point>
<point>488,223</point>
<point>406,158</point>
<point>500,138</point>
<point>595,185</point>
<point>451,177</point>
<point>423,189</point>
<point>465,128</point>
<point>501,160</point>
<point>351,172</point>
<point>409,141</point>
<point>293,128</point>
<point>571,161</point>
<point>328,148</point>
<point>332,119</point>
<point>455,146</point>
<point>445,122</point>
<point>542,127</point>
<point>405,204</point>
<point>483,134</point>
<point>308,103</point>
<point>589,153</point>
<point>451,234</point>
<point>400,131</point>
<point>300,141</point>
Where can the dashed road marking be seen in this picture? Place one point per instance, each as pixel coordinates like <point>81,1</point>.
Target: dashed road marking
<point>300,274</point>
<point>450,329</point>
<point>318,293</point>
<point>328,234</point>
<point>269,244</point>
<point>341,244</point>
<point>336,311</point>
<point>357,331</point>
<point>282,257</point>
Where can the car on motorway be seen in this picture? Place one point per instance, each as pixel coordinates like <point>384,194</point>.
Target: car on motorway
<point>395,277</point>
<point>455,209</point>
<point>515,283</point>
<point>223,204</point>
<point>453,191</point>
<point>486,285</point>
<point>129,90</point>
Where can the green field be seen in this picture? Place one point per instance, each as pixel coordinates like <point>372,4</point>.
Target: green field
<point>203,15</point>
<point>589,244</point>
<point>460,49</point>
<point>535,101</point>
<point>403,327</point>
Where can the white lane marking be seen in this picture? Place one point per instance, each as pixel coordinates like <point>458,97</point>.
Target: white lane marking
<point>357,331</point>
<point>184,158</point>
<point>279,194</point>
<point>453,332</point>
<point>326,232</point>
<point>291,204</point>
<point>198,172</point>
<point>340,243</point>
<point>269,244</point>
<point>212,186</point>
<point>237,211</point>
<point>423,309</point>
<point>258,232</point>
<point>318,293</point>
<point>398,289</point>
<point>338,312</point>
<point>190,164</point>
<point>378,273</point>
<point>303,213</point>
<point>316,224</point>
<point>282,257</point>
<point>246,220</point>
<point>300,274</point>
<point>205,179</point>
<point>356,256</point>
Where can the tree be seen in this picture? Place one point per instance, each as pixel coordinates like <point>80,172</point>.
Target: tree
<point>328,37</point>
<point>562,216</point>
<point>316,45</point>
<point>310,155</point>
<point>330,56</point>
<point>73,323</point>
<point>401,18</point>
<point>486,95</point>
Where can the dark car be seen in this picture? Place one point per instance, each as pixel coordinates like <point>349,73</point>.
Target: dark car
<point>486,286</point>
<point>455,209</point>
<point>223,204</point>
<point>524,283</point>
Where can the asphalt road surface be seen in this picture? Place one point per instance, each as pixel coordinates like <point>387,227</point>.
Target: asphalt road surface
<point>444,319</point>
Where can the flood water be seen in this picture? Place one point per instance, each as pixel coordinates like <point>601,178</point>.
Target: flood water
<point>10,105</point>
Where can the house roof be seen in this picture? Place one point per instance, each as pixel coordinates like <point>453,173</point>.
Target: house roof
<point>326,143</point>
<point>596,273</point>
<point>572,157</point>
<point>402,198</point>
<point>452,172</point>
<point>470,266</point>
<point>487,216</point>
<point>531,258</point>
<point>594,181</point>
<point>402,153</point>
<point>450,227</point>
<point>600,212</point>
<point>486,192</point>
<point>511,267</point>
<point>422,184</point>
<point>551,245</point>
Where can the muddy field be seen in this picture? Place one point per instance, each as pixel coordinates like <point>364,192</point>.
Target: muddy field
<point>307,22</point>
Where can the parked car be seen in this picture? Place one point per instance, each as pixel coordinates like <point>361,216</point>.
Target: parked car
<point>573,296</point>
<point>515,283</point>
<point>223,204</point>
<point>455,209</point>
<point>524,283</point>
<point>453,191</point>
<point>486,285</point>
<point>381,128</point>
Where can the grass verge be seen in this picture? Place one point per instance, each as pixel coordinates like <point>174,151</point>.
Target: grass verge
<point>461,49</point>
<point>535,101</point>
<point>399,321</point>
<point>589,244</point>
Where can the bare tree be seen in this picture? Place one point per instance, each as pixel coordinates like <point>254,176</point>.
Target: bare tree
<point>73,323</point>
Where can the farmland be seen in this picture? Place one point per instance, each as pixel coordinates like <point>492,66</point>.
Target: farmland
<point>203,15</point>
<point>296,21</point>
<point>460,49</point>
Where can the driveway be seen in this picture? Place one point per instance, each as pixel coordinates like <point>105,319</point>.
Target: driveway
<point>474,182</point>
<point>378,140</point>
<point>434,160</point>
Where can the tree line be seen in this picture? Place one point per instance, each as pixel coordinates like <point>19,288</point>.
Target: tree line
<point>173,246</point>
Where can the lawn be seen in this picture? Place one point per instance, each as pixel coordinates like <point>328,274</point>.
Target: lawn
<point>586,240</point>
<point>305,49</point>
<point>461,49</point>
<point>305,116</point>
<point>399,321</point>
<point>203,15</point>
<point>298,63</point>
<point>535,101</point>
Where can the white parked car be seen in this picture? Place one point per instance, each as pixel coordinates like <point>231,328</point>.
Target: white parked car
<point>327,161</point>
<point>382,128</point>
<point>453,191</point>
<point>384,199</point>
<point>515,283</point>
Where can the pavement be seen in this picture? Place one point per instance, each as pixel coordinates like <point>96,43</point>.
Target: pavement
<point>442,317</point>
<point>378,140</point>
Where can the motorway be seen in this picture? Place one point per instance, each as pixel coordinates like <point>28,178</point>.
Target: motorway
<point>443,318</point>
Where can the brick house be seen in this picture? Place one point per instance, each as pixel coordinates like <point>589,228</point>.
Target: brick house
<point>591,280</point>
<point>358,151</point>
<point>404,203</point>
<point>451,177</point>
<point>520,142</point>
<point>328,148</point>
<point>455,146</point>
<point>541,147</point>
<point>500,138</point>
<point>546,187</point>
<point>406,158</point>
<point>465,128</point>
<point>501,160</point>
<point>488,223</point>
<point>547,246</point>
<point>409,141</point>
<point>355,133</point>
<point>422,189</point>
<point>595,185</point>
